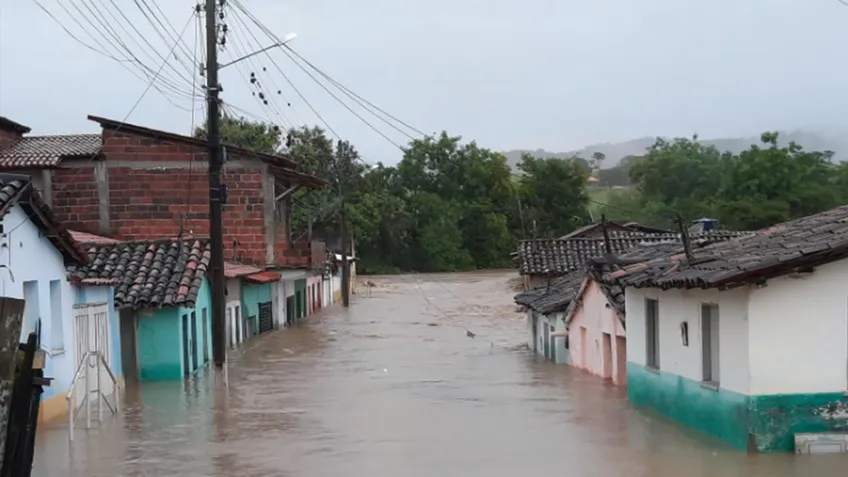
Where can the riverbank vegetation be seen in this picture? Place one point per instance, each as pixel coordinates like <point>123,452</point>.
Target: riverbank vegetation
<point>451,204</point>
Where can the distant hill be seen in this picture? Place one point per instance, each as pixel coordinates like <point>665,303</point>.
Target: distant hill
<point>614,152</point>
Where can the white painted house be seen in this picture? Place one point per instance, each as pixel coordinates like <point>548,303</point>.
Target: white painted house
<point>34,252</point>
<point>746,340</point>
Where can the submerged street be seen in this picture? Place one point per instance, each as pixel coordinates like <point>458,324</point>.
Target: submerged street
<point>395,386</point>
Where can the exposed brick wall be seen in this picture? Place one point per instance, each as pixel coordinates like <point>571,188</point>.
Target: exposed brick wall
<point>75,200</point>
<point>152,181</point>
<point>8,137</point>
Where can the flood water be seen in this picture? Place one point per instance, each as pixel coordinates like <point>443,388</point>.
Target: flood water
<point>394,386</point>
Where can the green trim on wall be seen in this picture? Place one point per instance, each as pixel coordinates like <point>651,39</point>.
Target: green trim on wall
<point>755,423</point>
<point>721,413</point>
<point>776,418</point>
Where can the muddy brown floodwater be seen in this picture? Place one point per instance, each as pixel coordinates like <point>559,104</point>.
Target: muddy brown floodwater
<point>393,386</point>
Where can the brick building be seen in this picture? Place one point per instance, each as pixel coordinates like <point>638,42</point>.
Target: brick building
<point>135,183</point>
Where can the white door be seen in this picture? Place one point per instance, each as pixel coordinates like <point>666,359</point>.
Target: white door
<point>92,334</point>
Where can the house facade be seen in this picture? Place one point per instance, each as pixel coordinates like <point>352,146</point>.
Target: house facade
<point>745,340</point>
<point>135,183</point>
<point>596,332</point>
<point>70,320</point>
<point>163,299</point>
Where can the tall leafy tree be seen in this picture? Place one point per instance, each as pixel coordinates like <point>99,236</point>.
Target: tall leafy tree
<point>553,192</point>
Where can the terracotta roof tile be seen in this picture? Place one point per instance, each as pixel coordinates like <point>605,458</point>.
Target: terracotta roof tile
<point>236,270</point>
<point>562,256</point>
<point>48,151</point>
<point>85,237</point>
<point>770,252</point>
<point>149,274</point>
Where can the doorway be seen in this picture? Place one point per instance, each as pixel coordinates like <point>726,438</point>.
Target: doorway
<point>186,347</point>
<point>620,360</point>
<point>606,354</point>
<point>193,342</point>
<point>547,341</point>
<point>129,344</point>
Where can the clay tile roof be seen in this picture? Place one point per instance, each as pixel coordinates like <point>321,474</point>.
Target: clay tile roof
<point>149,274</point>
<point>553,299</point>
<point>237,270</point>
<point>15,189</point>
<point>767,253</point>
<point>85,237</point>
<point>561,256</point>
<point>48,151</point>
<point>263,277</point>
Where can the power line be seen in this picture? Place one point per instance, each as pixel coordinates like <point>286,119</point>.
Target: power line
<point>149,86</point>
<point>468,332</point>
<point>356,98</point>
<point>360,99</point>
<point>243,26</point>
<point>322,85</point>
<point>145,71</point>
<point>264,100</point>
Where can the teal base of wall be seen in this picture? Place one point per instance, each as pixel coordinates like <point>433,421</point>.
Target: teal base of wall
<point>161,372</point>
<point>753,423</point>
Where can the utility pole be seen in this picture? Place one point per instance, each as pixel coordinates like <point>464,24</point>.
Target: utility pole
<point>342,175</point>
<point>216,225</point>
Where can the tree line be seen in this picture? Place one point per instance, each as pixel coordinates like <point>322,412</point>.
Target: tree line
<point>450,205</point>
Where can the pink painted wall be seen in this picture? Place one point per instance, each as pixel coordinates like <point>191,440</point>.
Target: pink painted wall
<point>313,294</point>
<point>596,337</point>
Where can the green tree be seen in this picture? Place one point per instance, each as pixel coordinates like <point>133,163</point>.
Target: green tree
<point>247,134</point>
<point>554,194</point>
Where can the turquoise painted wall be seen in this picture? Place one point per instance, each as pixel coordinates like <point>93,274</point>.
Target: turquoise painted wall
<point>160,339</point>
<point>203,304</point>
<point>754,423</point>
<point>775,419</point>
<point>160,344</point>
<point>251,296</point>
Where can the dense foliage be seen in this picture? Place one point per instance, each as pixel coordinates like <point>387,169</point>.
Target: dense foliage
<point>449,205</point>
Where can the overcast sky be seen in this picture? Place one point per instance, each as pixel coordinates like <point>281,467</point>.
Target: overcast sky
<point>551,74</point>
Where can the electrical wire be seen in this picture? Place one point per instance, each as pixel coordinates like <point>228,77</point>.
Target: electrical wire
<point>265,101</point>
<point>468,332</point>
<point>135,105</point>
<point>322,85</point>
<point>286,49</point>
<point>104,25</point>
<point>169,92</point>
<point>268,97</point>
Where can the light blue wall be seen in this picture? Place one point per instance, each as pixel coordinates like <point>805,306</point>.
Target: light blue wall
<point>26,255</point>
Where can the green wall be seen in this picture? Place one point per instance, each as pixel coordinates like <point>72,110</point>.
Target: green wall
<point>756,423</point>
<point>159,345</point>
<point>251,296</point>
<point>160,339</point>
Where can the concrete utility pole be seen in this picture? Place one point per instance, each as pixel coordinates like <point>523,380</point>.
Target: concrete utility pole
<point>216,197</point>
<point>344,231</point>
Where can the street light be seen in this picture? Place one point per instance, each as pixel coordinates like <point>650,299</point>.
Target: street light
<point>289,37</point>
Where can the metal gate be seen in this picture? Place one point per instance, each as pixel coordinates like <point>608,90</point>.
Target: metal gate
<point>266,322</point>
